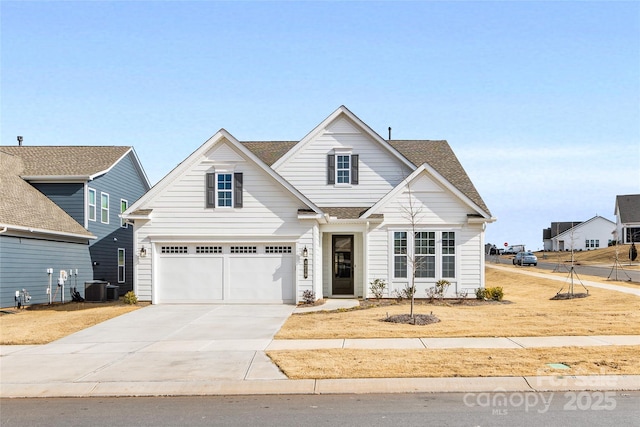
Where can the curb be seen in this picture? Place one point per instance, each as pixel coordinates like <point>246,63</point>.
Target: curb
<point>326,386</point>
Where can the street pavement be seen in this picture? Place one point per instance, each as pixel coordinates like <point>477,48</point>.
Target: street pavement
<point>163,350</point>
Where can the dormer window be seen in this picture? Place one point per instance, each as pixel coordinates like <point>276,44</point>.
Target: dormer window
<point>342,168</point>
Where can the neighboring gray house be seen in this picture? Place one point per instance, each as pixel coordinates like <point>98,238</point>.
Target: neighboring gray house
<point>594,233</point>
<point>59,209</point>
<point>627,212</point>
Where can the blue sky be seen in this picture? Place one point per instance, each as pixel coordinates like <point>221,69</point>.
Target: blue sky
<point>539,100</point>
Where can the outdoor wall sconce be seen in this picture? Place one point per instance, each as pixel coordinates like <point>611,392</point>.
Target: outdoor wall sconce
<point>143,252</point>
<point>305,263</point>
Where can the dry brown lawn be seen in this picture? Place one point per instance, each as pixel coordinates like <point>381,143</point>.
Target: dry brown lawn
<point>526,311</point>
<point>353,363</point>
<point>41,324</point>
<point>604,256</point>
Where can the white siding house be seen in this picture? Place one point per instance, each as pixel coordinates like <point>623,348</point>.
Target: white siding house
<point>595,233</point>
<point>264,222</point>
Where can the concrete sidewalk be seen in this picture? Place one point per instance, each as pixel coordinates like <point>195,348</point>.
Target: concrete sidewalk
<point>180,368</point>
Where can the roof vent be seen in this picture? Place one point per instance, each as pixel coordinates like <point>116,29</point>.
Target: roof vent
<point>20,141</point>
<point>389,133</point>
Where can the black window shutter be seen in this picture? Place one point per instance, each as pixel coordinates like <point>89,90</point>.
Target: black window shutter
<point>237,190</point>
<point>210,182</point>
<point>354,169</point>
<point>331,169</point>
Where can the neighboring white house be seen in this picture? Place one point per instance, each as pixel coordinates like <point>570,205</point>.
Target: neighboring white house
<point>579,236</point>
<point>627,212</point>
<point>263,222</point>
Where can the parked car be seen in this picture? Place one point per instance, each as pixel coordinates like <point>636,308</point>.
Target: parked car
<point>525,258</point>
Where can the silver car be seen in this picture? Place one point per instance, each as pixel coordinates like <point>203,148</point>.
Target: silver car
<point>525,258</point>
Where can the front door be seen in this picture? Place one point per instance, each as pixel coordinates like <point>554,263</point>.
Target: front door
<point>342,248</point>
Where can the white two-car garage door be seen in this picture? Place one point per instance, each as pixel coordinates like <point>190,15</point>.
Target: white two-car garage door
<point>226,273</point>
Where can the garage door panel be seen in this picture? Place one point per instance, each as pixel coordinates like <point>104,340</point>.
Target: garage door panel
<point>191,279</point>
<point>261,278</point>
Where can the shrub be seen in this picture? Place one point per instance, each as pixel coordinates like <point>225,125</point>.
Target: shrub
<point>377,288</point>
<point>130,298</point>
<point>495,293</point>
<point>309,297</point>
<point>438,290</point>
<point>406,292</point>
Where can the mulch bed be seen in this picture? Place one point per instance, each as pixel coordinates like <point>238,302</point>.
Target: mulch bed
<point>418,319</point>
<point>569,296</point>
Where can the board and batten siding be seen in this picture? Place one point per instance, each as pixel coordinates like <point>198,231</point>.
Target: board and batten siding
<point>269,213</point>
<point>379,170</point>
<point>123,181</point>
<point>24,263</point>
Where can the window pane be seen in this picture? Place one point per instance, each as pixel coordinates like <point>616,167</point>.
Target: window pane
<point>225,194</point>
<point>448,243</point>
<point>343,169</point>
<point>104,208</point>
<point>426,266</point>
<point>400,266</point>
<point>400,243</point>
<point>448,266</point>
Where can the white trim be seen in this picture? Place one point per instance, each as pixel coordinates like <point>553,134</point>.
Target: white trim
<point>342,110</point>
<point>102,208</point>
<point>198,156</point>
<point>231,190</point>
<point>8,227</point>
<point>123,222</point>
<point>438,178</point>
<point>95,198</point>
<point>124,265</point>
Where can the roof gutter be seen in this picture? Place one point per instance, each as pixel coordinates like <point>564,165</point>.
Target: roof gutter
<point>44,231</point>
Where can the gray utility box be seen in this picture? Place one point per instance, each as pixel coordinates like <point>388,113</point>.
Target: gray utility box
<point>112,292</point>
<point>95,291</point>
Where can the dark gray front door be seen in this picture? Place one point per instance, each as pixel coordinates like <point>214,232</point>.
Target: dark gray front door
<point>342,249</point>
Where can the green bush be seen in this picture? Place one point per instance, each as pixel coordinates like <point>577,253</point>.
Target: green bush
<point>130,298</point>
<point>495,293</point>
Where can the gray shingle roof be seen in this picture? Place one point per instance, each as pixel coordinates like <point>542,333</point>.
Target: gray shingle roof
<point>65,160</point>
<point>437,154</point>
<point>440,156</point>
<point>269,151</point>
<point>22,205</point>
<point>629,207</point>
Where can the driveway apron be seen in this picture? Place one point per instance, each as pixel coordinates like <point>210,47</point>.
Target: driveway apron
<point>158,343</point>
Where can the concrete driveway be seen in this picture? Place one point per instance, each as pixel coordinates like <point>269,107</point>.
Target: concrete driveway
<point>158,343</point>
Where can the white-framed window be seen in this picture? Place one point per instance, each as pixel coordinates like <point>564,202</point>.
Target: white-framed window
<point>343,168</point>
<point>425,253</point>
<point>121,265</point>
<point>92,204</point>
<point>400,254</point>
<point>224,190</point>
<point>448,254</point>
<point>123,207</point>
<point>431,253</point>
<point>104,208</point>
